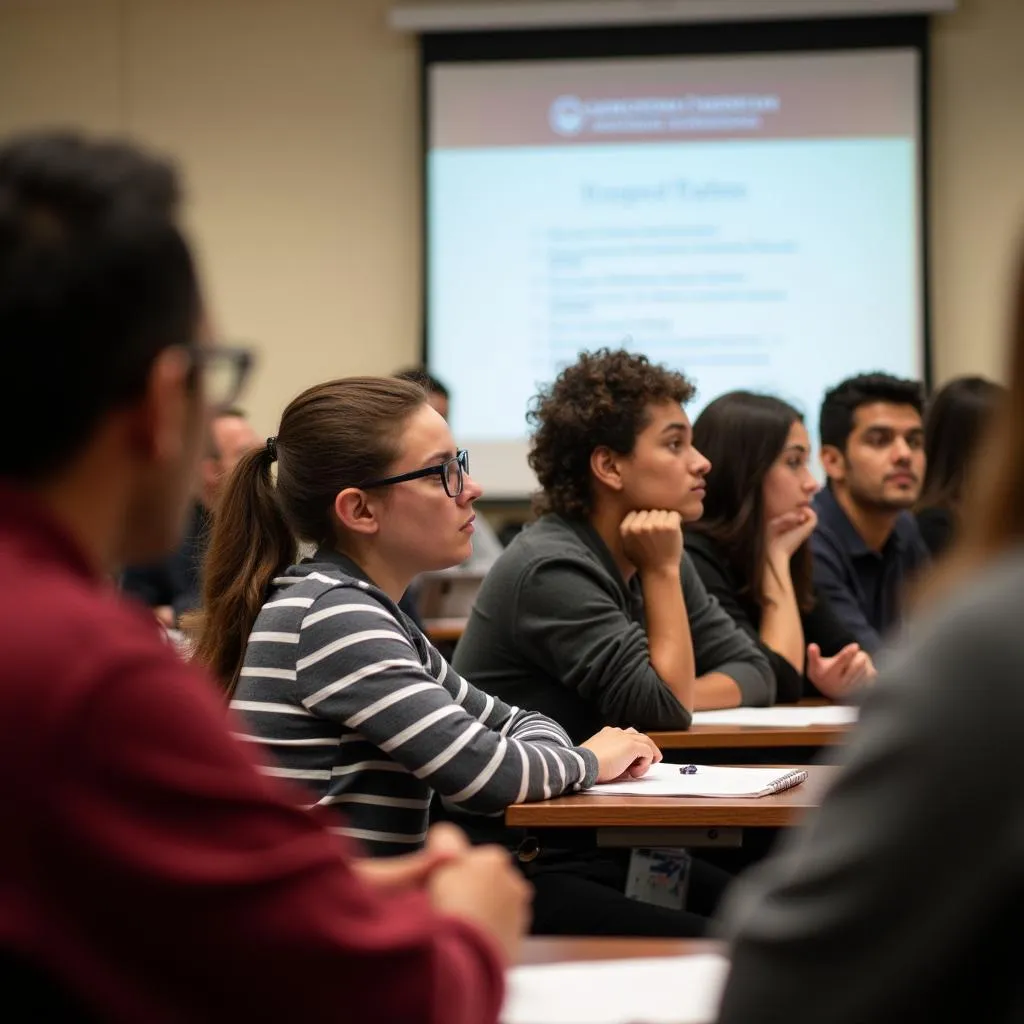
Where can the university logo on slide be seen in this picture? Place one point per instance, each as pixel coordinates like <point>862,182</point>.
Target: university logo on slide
<point>567,115</point>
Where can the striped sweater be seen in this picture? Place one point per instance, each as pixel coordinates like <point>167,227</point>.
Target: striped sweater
<point>349,698</point>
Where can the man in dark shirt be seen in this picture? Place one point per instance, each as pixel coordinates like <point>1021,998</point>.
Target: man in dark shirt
<point>173,586</point>
<point>867,544</point>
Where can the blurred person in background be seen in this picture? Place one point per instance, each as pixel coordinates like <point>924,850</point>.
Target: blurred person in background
<point>172,587</point>
<point>955,425</point>
<point>486,545</point>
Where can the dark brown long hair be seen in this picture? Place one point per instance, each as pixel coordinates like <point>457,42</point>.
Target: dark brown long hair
<point>958,416</point>
<point>743,434</point>
<point>993,503</point>
<point>331,437</point>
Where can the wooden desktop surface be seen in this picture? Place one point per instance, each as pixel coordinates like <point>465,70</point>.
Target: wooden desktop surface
<point>586,810</point>
<point>559,949</point>
<point>444,630</point>
<point>762,737</point>
<point>709,737</point>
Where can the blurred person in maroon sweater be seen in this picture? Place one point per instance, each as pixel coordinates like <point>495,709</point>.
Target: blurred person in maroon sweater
<point>149,871</point>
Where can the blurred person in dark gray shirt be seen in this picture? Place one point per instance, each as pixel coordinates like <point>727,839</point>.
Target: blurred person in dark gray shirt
<point>901,898</point>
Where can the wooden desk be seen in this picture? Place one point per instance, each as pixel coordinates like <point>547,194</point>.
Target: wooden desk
<point>672,821</point>
<point>444,631</point>
<point>554,950</point>
<point>716,737</point>
<point>733,744</point>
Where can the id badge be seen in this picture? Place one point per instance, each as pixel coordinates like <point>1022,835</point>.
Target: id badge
<point>659,877</point>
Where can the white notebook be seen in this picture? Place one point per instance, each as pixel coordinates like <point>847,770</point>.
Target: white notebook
<point>781,717</point>
<point>708,780</point>
<point>663,990</point>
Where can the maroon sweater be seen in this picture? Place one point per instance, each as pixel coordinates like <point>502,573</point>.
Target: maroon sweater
<point>146,866</point>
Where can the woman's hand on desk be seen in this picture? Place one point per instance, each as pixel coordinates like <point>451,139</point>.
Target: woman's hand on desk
<point>835,677</point>
<point>622,753</point>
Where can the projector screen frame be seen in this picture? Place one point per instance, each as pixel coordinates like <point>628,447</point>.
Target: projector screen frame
<point>684,40</point>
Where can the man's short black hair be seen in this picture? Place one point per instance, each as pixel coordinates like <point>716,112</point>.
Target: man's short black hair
<point>841,403</point>
<point>429,383</point>
<point>95,280</point>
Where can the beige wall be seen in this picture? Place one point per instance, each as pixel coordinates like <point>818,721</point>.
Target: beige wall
<point>297,122</point>
<point>977,178</point>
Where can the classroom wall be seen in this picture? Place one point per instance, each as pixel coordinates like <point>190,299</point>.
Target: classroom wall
<point>297,122</point>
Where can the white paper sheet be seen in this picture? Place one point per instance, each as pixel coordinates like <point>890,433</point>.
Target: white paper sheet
<point>708,780</point>
<point>664,990</point>
<point>780,717</point>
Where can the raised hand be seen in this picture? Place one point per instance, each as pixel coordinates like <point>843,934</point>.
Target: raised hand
<point>835,677</point>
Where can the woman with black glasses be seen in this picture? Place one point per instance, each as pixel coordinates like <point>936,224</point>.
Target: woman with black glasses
<point>343,691</point>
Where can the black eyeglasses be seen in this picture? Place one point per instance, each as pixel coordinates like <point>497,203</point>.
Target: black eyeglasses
<point>225,370</point>
<point>451,471</point>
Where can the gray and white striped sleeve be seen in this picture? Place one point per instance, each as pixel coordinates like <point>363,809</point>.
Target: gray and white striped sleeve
<point>355,666</point>
<point>496,714</point>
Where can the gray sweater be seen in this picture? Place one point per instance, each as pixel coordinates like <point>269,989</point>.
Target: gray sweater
<point>555,626</point>
<point>901,898</point>
<point>348,698</point>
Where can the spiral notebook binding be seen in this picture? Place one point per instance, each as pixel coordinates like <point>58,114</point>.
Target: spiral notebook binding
<point>787,781</point>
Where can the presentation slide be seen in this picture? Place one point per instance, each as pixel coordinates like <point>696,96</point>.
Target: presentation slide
<point>750,220</point>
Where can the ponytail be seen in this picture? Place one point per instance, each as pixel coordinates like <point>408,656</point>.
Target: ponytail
<point>250,545</point>
<point>331,437</point>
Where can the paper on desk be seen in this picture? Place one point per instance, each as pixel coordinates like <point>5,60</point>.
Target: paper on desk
<point>707,781</point>
<point>663,990</point>
<point>780,717</point>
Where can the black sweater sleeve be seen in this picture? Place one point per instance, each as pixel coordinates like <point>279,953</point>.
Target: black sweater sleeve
<point>823,627</point>
<point>719,582</point>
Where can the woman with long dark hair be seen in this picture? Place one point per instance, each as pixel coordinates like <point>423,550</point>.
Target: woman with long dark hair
<point>958,415</point>
<point>752,544</point>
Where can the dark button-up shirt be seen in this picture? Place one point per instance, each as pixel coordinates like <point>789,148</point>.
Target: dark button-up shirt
<point>176,580</point>
<point>864,587</point>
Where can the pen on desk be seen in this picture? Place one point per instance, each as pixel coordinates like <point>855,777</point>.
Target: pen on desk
<point>687,769</point>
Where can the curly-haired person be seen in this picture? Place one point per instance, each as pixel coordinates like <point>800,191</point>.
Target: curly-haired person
<point>592,614</point>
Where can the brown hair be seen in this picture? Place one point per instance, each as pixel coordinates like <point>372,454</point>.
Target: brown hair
<point>742,434</point>
<point>993,506</point>
<point>954,427</point>
<point>599,401</point>
<point>332,436</point>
